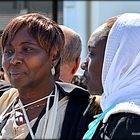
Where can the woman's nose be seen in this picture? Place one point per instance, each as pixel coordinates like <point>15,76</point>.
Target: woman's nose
<point>84,65</point>
<point>16,59</point>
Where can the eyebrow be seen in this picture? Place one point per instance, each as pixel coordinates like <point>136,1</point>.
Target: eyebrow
<point>25,42</point>
<point>28,42</point>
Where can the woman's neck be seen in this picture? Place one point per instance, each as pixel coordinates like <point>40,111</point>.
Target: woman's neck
<point>28,95</point>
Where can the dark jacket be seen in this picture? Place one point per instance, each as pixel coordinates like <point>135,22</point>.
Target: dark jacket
<point>75,116</point>
<point>119,126</point>
<point>79,112</point>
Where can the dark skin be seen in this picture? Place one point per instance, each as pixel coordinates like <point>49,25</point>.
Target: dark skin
<point>28,67</point>
<point>93,63</point>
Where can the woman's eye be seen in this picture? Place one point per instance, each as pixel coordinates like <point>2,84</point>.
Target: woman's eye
<point>8,52</point>
<point>28,49</point>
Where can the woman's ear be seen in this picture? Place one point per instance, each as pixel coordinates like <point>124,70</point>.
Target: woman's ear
<point>54,56</point>
<point>55,61</point>
<point>75,65</point>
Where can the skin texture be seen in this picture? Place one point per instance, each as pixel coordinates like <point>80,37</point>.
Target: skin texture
<point>92,65</point>
<point>26,64</point>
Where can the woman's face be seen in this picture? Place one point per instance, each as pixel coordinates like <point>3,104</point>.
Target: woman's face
<point>25,62</point>
<point>92,65</point>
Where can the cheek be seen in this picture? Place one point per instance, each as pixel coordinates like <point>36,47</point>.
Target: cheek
<point>91,67</point>
<point>90,70</point>
<point>40,64</point>
<point>36,63</point>
<point>94,70</point>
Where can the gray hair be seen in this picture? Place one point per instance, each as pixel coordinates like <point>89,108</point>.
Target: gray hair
<point>72,48</point>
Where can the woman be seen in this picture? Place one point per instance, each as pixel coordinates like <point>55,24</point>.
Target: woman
<point>120,84</point>
<point>92,67</point>
<point>39,108</point>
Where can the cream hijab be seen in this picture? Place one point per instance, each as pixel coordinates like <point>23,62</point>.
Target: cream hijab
<point>121,66</point>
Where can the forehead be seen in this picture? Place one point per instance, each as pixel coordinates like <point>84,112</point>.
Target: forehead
<point>23,32</point>
<point>97,35</point>
<point>22,35</point>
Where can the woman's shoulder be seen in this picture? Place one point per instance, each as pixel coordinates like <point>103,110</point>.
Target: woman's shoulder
<point>72,90</point>
<point>122,122</point>
<point>123,125</point>
<point>7,98</point>
<point>126,107</point>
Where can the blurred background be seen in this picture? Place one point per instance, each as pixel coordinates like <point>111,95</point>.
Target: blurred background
<point>82,16</point>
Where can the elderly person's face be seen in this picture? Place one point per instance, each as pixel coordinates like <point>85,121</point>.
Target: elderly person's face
<point>92,66</point>
<point>25,62</point>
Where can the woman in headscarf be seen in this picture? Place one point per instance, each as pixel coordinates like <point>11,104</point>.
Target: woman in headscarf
<point>92,67</point>
<point>120,86</point>
<point>37,107</point>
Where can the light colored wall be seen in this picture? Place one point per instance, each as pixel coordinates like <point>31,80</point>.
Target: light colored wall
<point>75,17</point>
<point>101,10</point>
<point>85,16</point>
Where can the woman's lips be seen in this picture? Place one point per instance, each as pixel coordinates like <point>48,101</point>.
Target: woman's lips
<point>16,75</point>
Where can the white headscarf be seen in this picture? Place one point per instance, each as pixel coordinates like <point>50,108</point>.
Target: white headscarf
<point>121,66</point>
